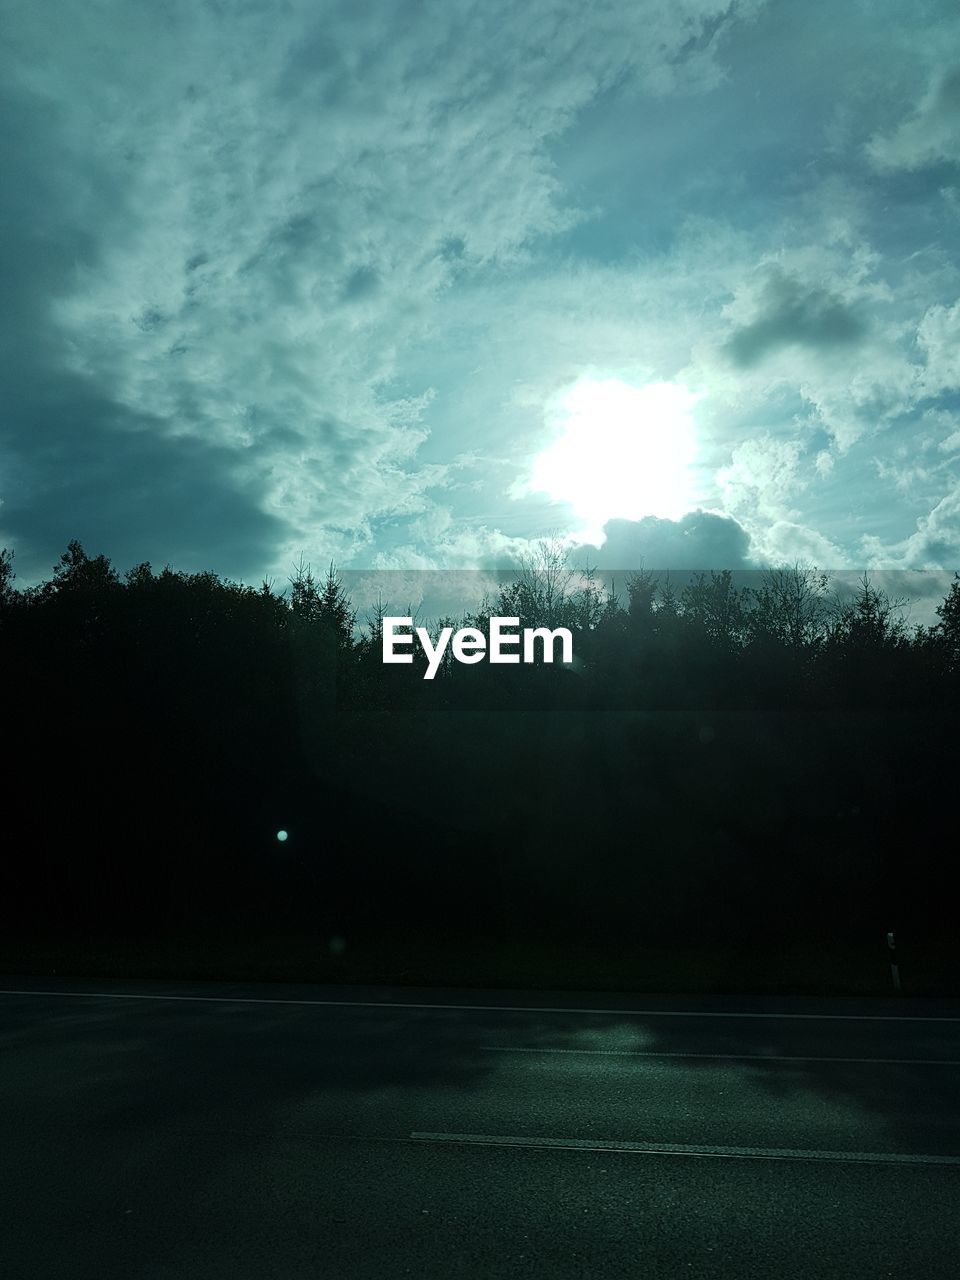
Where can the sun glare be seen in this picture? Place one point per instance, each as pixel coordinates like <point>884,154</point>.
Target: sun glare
<point>621,450</point>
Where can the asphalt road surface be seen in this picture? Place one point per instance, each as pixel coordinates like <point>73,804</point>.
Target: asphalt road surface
<point>151,1131</point>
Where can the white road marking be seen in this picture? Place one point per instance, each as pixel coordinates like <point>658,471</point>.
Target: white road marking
<point>733,1057</point>
<point>488,1008</point>
<point>687,1149</point>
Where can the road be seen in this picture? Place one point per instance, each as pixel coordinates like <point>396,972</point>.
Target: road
<point>151,1131</point>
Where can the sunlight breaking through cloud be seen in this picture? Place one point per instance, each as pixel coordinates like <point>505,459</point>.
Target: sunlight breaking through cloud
<point>621,451</point>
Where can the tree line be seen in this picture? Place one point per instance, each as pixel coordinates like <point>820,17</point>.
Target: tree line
<point>745,761</point>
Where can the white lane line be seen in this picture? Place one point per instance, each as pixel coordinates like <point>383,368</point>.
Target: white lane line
<point>687,1149</point>
<point>491,1008</point>
<point>733,1057</point>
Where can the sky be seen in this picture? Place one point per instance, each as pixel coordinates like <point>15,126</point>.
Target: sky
<point>411,284</point>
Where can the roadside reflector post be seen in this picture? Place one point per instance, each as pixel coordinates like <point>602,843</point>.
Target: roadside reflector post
<point>894,966</point>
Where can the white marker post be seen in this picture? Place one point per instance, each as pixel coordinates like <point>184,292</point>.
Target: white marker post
<point>894,967</point>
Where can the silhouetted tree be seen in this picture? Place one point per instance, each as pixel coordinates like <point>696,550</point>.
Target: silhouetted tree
<point>715,608</point>
<point>7,591</point>
<point>789,608</point>
<point>642,594</point>
<point>948,628</point>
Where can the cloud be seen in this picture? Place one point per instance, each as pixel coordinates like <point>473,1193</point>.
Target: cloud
<point>938,335</point>
<point>272,278</point>
<point>825,321</point>
<point>934,545</point>
<point>785,542</point>
<point>791,313</point>
<point>699,540</point>
<point>777,441</point>
<point>178,500</point>
<point>929,135</point>
<point>763,476</point>
<point>248,216</point>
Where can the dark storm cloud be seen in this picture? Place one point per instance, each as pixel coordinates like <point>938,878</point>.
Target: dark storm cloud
<point>700,540</point>
<point>76,462</point>
<point>40,249</point>
<point>137,495</point>
<point>793,314</point>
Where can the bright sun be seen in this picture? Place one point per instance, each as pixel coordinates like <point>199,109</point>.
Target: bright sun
<point>621,451</point>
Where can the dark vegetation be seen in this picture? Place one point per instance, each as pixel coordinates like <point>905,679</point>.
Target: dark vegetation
<point>748,769</point>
